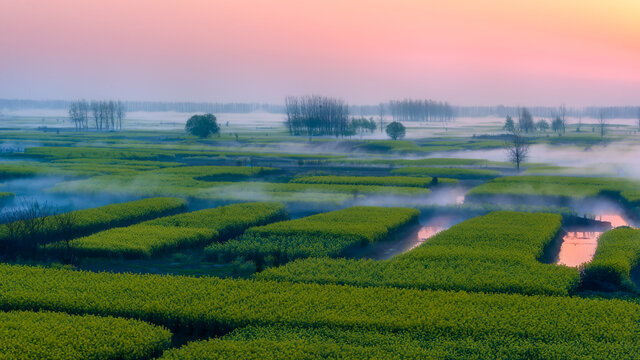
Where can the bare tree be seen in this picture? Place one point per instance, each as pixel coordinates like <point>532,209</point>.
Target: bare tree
<point>578,129</point>
<point>381,114</point>
<point>563,116</point>
<point>602,122</point>
<point>315,115</point>
<point>120,113</point>
<point>95,111</point>
<point>517,148</point>
<point>64,226</point>
<point>525,120</point>
<point>75,115</point>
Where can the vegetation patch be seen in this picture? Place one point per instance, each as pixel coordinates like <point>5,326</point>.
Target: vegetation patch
<point>455,173</point>
<point>559,186</point>
<point>175,232</point>
<point>498,252</point>
<point>270,342</point>
<point>329,234</point>
<point>57,336</point>
<point>216,306</point>
<point>617,254</point>
<point>76,223</point>
<point>408,181</point>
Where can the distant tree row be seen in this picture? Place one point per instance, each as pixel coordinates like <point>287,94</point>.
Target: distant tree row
<point>314,115</point>
<point>101,115</point>
<point>526,123</point>
<point>421,110</point>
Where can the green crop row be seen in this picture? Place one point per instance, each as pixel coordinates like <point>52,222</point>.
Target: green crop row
<point>455,173</point>
<point>422,182</point>
<point>215,306</point>
<point>498,252</point>
<point>58,336</point>
<point>86,221</point>
<point>617,254</point>
<point>164,183</point>
<point>175,232</point>
<point>271,343</point>
<point>423,162</point>
<point>558,186</point>
<point>148,151</point>
<point>328,234</point>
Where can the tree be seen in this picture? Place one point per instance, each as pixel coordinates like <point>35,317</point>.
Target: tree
<point>121,112</point>
<point>602,123</point>
<point>509,125</point>
<point>556,125</point>
<point>563,116</point>
<point>542,125</point>
<point>315,115</point>
<point>362,125</point>
<point>578,129</point>
<point>64,224</point>
<point>381,114</point>
<point>517,148</point>
<point>525,121</point>
<point>202,126</point>
<point>396,130</point>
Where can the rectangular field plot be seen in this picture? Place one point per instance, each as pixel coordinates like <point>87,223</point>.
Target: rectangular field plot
<point>329,234</point>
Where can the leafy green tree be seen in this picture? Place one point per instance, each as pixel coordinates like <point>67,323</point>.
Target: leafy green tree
<point>557,125</point>
<point>509,125</point>
<point>202,125</point>
<point>396,130</point>
<point>542,125</point>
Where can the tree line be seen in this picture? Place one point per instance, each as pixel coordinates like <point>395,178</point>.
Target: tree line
<point>421,110</point>
<point>101,115</point>
<point>315,115</point>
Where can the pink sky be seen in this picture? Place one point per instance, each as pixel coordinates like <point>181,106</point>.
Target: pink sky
<point>523,52</point>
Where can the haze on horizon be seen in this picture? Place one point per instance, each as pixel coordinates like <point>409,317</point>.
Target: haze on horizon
<point>468,52</point>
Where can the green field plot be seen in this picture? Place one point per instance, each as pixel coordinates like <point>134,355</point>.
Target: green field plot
<point>455,173</point>
<point>329,234</point>
<point>210,305</point>
<point>406,181</point>
<point>81,222</point>
<point>58,336</point>
<point>617,254</point>
<point>559,186</point>
<point>175,232</point>
<point>498,252</point>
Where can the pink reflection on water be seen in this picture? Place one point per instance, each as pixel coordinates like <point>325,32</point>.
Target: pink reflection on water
<point>578,247</point>
<point>425,233</point>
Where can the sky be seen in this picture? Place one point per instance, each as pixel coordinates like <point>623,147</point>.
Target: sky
<point>468,52</point>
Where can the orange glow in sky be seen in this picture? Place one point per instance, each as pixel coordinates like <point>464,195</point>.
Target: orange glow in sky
<point>466,51</point>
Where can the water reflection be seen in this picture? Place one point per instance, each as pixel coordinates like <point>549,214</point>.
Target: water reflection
<point>579,247</point>
<point>385,250</point>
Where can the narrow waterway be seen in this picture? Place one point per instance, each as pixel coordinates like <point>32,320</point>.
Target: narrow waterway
<point>414,238</point>
<point>579,244</point>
